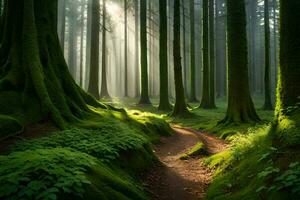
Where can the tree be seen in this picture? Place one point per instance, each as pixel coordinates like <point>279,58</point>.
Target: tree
<point>268,101</point>
<point>144,99</point>
<point>82,12</point>
<point>193,97</point>
<point>180,105</point>
<point>72,45</point>
<point>184,49</point>
<point>62,23</point>
<point>240,106</point>
<point>125,47</point>
<point>275,39</point>
<point>289,70</point>
<point>104,91</point>
<point>212,89</point>
<point>94,55</point>
<point>164,103</point>
<point>205,56</point>
<point>34,63</point>
<point>136,48</point>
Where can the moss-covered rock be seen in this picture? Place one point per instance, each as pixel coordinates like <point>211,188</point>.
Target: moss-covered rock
<point>9,126</point>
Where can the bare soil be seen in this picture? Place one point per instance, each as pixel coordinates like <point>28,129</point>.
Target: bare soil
<point>175,179</point>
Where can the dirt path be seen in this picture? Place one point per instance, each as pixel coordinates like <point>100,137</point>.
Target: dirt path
<point>177,179</point>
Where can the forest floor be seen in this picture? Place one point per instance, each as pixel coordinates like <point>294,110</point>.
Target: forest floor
<point>177,179</point>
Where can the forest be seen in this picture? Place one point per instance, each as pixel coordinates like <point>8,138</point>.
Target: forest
<point>149,99</point>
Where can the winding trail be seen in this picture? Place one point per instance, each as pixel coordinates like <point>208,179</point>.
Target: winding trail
<point>175,179</point>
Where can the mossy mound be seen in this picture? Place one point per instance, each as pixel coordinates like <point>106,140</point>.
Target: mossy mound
<point>26,109</point>
<point>61,173</point>
<point>258,166</point>
<point>99,162</point>
<point>197,150</point>
<point>9,126</point>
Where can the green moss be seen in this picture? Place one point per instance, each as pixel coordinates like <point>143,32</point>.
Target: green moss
<point>26,109</point>
<point>9,126</point>
<point>61,173</point>
<point>197,150</point>
<point>108,151</point>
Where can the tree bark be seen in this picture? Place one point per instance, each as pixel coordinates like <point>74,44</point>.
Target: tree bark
<point>94,55</point>
<point>137,52</point>
<point>144,99</point>
<point>36,65</point>
<point>125,48</point>
<point>212,58</point>
<point>267,80</point>
<point>185,65</point>
<point>193,97</point>
<point>289,71</point>
<point>180,108</point>
<point>205,57</point>
<point>104,91</point>
<point>81,42</point>
<point>240,106</point>
<point>164,103</point>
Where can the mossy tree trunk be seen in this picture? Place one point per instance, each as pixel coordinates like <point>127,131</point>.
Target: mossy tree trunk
<point>180,107</point>
<point>144,99</point>
<point>288,91</point>
<point>104,91</point>
<point>193,97</point>
<point>268,101</point>
<point>205,57</point>
<point>240,106</point>
<point>164,103</point>
<point>212,103</point>
<point>32,61</point>
<point>93,88</point>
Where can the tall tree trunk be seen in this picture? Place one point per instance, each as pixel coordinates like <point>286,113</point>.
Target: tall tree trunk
<point>253,53</point>
<point>150,48</point>
<point>104,91</point>
<point>137,52</point>
<point>126,48</point>
<point>143,43</point>
<point>88,43</point>
<point>63,25</point>
<point>180,105</point>
<point>267,83</point>
<point>94,56</point>
<point>185,65</point>
<point>289,70</point>
<point>72,46</point>
<point>212,58</point>
<point>39,69</point>
<point>240,106</point>
<point>193,97</point>
<point>275,40</point>
<point>205,57</point>
<point>81,42</point>
<point>164,103</point>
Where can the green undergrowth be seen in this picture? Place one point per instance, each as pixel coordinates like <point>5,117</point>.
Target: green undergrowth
<point>259,165</point>
<point>99,158</point>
